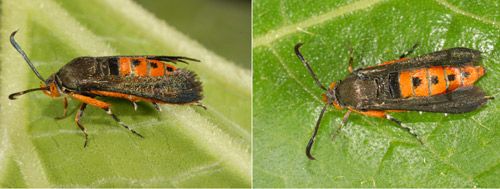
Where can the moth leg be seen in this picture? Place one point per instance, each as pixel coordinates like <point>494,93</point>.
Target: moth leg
<point>200,105</point>
<point>65,103</point>
<point>382,114</point>
<point>351,59</point>
<point>157,107</point>
<point>135,105</point>
<point>104,106</point>
<point>344,123</point>
<point>78,116</point>
<point>410,51</point>
<point>408,130</point>
<point>371,113</point>
<point>108,111</point>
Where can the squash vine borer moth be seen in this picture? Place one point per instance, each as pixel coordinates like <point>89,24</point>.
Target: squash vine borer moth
<point>441,81</point>
<point>135,78</point>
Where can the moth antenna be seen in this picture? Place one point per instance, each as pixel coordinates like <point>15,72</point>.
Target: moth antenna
<point>313,137</point>
<point>23,54</point>
<point>14,95</point>
<point>306,64</point>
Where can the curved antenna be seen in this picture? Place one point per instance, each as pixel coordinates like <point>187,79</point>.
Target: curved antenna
<point>313,137</point>
<point>306,64</point>
<point>18,48</point>
<point>14,95</point>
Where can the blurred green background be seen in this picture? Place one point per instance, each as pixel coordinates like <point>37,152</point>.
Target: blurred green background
<point>224,26</point>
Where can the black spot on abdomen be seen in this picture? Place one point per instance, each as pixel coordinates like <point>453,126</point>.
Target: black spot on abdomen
<point>451,77</point>
<point>416,81</point>
<point>136,62</point>
<point>153,65</point>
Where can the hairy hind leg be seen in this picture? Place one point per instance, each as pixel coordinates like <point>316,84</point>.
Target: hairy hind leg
<point>104,106</point>
<point>382,114</point>
<point>78,116</point>
<point>108,111</point>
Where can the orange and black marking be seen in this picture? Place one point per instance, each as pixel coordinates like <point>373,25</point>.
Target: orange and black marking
<point>433,80</point>
<point>152,79</point>
<point>140,66</point>
<point>441,81</point>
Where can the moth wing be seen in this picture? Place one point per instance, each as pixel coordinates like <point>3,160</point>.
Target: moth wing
<point>458,56</point>
<point>180,87</point>
<point>462,100</point>
<point>171,59</point>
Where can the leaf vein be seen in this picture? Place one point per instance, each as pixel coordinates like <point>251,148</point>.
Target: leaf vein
<point>467,14</point>
<point>273,35</point>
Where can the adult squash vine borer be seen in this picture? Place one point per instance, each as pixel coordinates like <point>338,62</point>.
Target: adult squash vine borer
<point>135,78</point>
<point>441,81</point>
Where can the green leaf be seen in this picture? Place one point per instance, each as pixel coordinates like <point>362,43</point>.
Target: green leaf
<point>184,146</point>
<point>458,151</point>
<point>228,32</point>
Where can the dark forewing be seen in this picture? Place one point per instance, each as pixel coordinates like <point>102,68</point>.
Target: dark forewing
<point>459,101</point>
<point>172,59</point>
<point>179,87</point>
<point>450,57</point>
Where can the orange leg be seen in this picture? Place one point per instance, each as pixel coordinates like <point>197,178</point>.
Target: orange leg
<point>372,113</point>
<point>90,100</point>
<point>103,105</point>
<point>396,111</point>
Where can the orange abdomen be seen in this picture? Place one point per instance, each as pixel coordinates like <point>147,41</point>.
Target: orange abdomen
<point>437,80</point>
<point>143,67</point>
